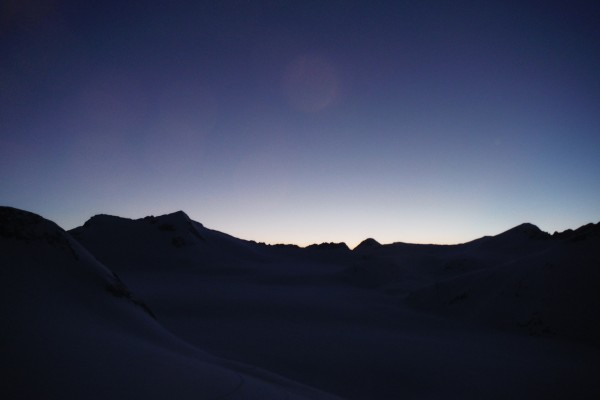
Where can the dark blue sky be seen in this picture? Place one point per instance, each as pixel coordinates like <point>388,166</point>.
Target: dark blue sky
<point>419,121</point>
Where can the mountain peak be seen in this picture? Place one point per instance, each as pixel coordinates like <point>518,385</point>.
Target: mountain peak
<point>178,214</point>
<point>367,244</point>
<point>527,226</point>
<point>581,233</point>
<point>103,218</point>
<point>526,229</point>
<point>175,219</point>
<point>329,246</point>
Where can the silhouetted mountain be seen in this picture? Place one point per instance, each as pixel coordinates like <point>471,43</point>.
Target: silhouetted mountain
<point>329,246</point>
<point>243,320</point>
<point>367,244</point>
<point>158,241</point>
<point>582,233</point>
<point>71,329</point>
<point>519,233</point>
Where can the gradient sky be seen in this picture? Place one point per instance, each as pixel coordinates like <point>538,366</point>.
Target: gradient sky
<point>304,121</point>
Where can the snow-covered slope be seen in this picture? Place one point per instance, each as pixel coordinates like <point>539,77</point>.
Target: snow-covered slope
<point>72,330</point>
<point>210,316</point>
<point>523,279</point>
<point>155,242</point>
<point>536,283</point>
<point>373,323</point>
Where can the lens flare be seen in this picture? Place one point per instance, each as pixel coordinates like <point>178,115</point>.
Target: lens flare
<point>310,83</point>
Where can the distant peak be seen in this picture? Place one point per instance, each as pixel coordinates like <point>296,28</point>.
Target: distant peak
<point>581,233</point>
<point>526,226</point>
<point>526,229</point>
<point>177,217</point>
<point>178,214</point>
<point>103,218</point>
<point>367,243</point>
<point>329,246</point>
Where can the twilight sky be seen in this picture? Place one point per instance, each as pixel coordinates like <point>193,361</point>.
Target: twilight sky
<point>304,121</point>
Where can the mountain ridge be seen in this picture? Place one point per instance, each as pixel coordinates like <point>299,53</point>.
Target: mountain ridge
<point>526,229</point>
<point>243,320</point>
<point>72,329</point>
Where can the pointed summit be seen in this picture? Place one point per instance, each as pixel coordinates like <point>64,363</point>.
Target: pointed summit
<point>367,244</point>
<point>526,229</point>
<point>180,215</point>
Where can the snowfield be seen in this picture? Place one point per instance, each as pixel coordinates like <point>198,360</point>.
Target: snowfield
<point>163,307</point>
